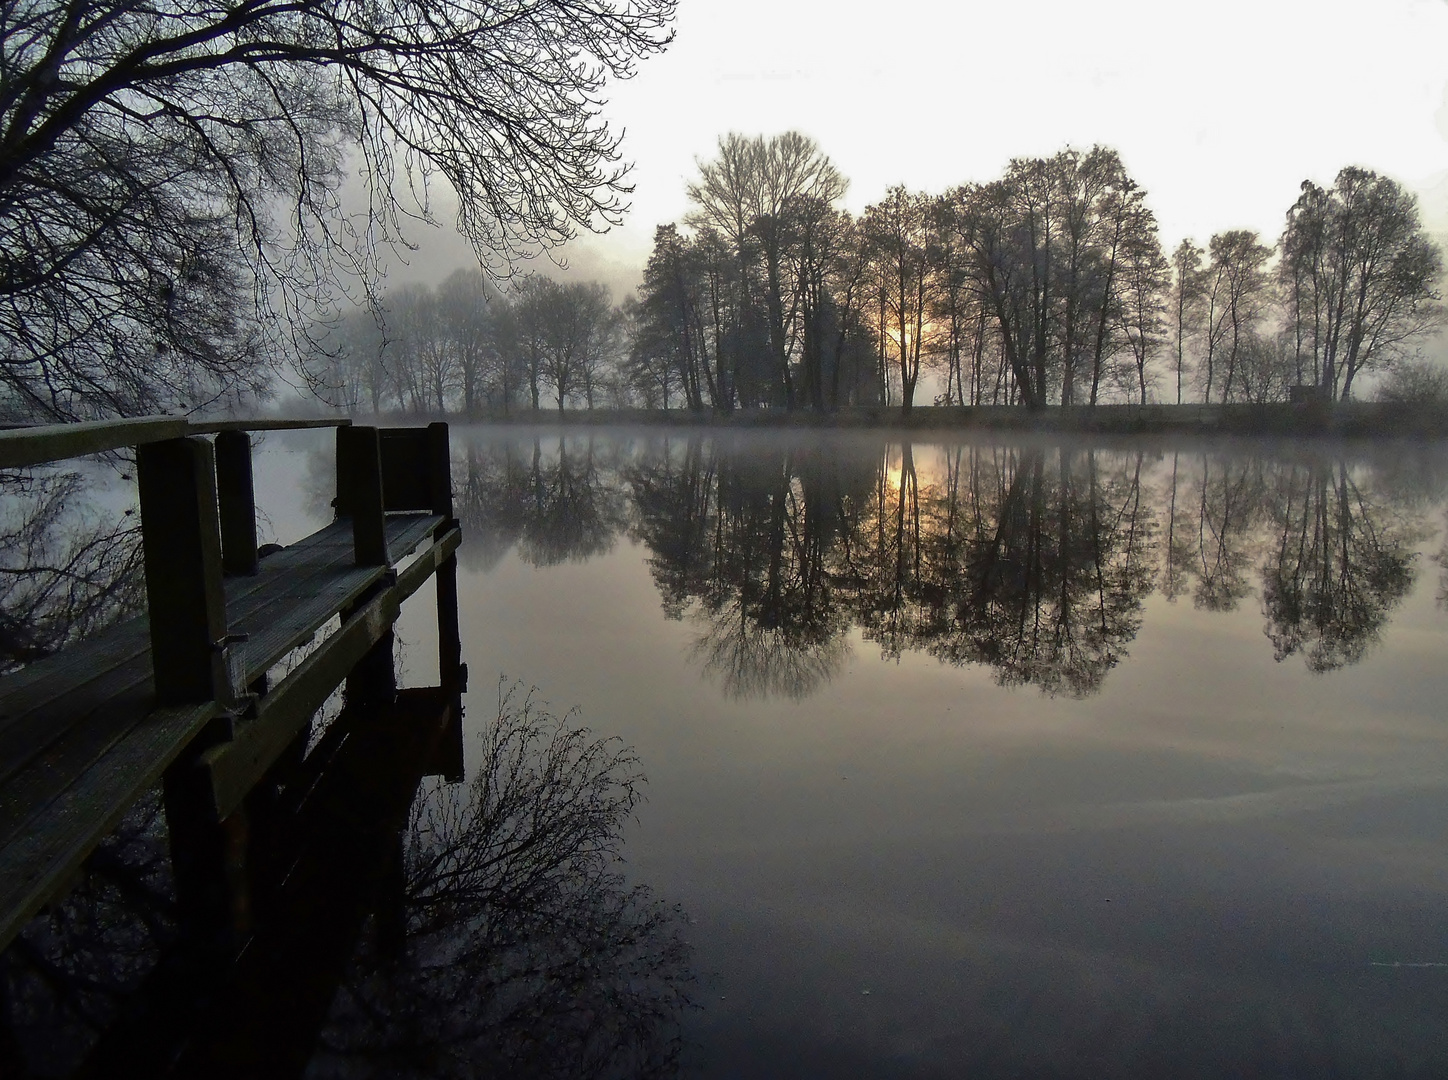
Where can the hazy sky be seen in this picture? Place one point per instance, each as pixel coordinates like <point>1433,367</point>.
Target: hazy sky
<point>1219,111</point>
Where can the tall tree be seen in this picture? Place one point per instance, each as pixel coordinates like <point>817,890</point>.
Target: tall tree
<point>1360,277</point>
<point>897,231</point>
<point>1186,302</point>
<point>1143,284</point>
<point>467,309</point>
<point>750,194</point>
<point>1238,294</point>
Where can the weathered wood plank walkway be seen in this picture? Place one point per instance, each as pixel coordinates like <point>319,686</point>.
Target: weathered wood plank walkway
<point>182,693</point>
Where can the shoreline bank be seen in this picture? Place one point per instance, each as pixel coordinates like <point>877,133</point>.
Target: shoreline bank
<point>1349,419</point>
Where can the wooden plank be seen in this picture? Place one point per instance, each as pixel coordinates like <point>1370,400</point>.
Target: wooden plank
<point>293,617</point>
<point>45,680</point>
<point>181,541</point>
<point>288,618</point>
<point>211,427</point>
<point>84,742</point>
<point>48,748</point>
<point>236,503</point>
<point>35,732</point>
<point>90,671</point>
<point>71,668</point>
<point>56,742</point>
<point>23,447</point>
<point>406,531</point>
<point>236,766</point>
<point>80,783</point>
<point>58,738</point>
<point>39,862</point>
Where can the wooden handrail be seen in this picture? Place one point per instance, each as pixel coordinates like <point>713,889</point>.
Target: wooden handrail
<point>21,447</point>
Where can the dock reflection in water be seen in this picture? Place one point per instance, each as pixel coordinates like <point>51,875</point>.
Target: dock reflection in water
<point>399,925</point>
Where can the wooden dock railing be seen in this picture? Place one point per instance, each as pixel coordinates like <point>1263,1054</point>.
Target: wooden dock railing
<point>182,695</point>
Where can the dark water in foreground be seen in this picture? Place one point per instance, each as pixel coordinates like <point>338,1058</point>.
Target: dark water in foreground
<point>987,760</point>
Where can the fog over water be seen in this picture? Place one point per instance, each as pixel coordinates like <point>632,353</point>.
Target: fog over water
<point>1031,758</point>
<point>963,757</point>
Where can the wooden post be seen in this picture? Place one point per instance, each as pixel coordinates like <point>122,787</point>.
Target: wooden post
<point>452,672</point>
<point>181,542</point>
<point>236,503</point>
<point>359,492</point>
<point>208,857</point>
<point>439,465</point>
<point>372,683</point>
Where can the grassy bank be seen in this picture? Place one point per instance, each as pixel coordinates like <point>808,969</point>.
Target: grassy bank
<point>1351,419</point>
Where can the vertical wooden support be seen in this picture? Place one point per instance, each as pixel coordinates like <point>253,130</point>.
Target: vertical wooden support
<point>372,682</point>
<point>236,500</point>
<point>182,547</point>
<point>452,673</point>
<point>439,483</point>
<point>208,857</point>
<point>439,467</point>
<point>359,492</point>
<point>344,472</point>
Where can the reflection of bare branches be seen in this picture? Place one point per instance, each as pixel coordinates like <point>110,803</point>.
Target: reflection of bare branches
<point>755,661</point>
<point>526,953</point>
<point>1341,564</point>
<point>65,570</point>
<point>72,969</point>
<point>1230,506</point>
<point>559,505</point>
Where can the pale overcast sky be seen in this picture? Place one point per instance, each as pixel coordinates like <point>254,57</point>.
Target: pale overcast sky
<point>1219,110</point>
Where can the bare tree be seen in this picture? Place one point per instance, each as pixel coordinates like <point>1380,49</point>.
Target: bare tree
<point>1360,276</point>
<point>897,231</point>
<point>1188,295</point>
<point>169,172</point>
<point>467,308</point>
<point>1238,293</point>
<point>750,194</point>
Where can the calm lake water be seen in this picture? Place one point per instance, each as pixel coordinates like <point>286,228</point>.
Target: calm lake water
<point>1000,758</point>
<point>987,759</point>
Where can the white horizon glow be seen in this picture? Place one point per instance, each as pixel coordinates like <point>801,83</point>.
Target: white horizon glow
<point>1219,112</point>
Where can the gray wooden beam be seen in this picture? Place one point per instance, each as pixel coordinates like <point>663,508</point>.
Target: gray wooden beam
<point>26,446</point>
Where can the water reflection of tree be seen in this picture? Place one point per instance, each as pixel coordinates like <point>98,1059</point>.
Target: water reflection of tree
<point>510,945</point>
<point>1231,494</point>
<point>69,975</point>
<point>1339,563</point>
<point>559,504</point>
<point>743,545</point>
<point>1033,561</point>
<point>522,951</point>
<point>1037,567</point>
<point>66,568</point>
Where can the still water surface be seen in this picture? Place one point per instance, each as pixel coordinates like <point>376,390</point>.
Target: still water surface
<point>991,759</point>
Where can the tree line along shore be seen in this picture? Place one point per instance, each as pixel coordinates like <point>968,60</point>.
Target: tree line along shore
<point>1048,286</point>
<point>1351,419</point>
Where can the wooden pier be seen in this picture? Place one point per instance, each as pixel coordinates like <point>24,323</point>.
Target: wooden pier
<point>183,695</point>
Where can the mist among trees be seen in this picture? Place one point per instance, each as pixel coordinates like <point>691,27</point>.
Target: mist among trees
<point>1049,285</point>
